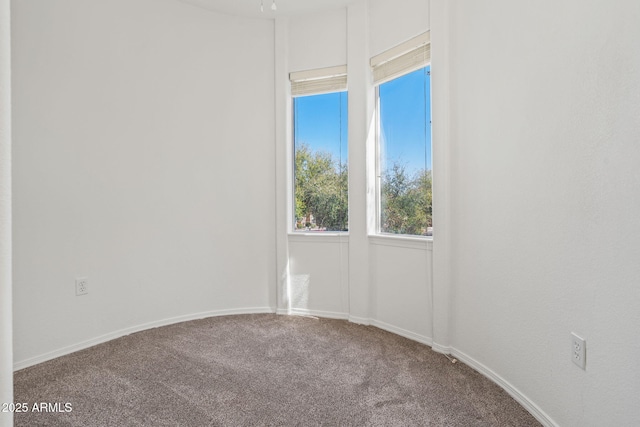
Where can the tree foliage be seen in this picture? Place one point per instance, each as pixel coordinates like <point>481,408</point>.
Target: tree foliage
<point>406,201</point>
<point>320,190</point>
<point>321,202</point>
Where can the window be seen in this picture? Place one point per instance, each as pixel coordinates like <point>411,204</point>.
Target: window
<point>404,179</point>
<point>320,154</point>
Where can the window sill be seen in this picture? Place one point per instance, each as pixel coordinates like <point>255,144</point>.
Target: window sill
<point>402,241</point>
<point>319,237</point>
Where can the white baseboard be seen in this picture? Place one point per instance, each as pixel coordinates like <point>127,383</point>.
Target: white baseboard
<point>359,320</point>
<point>402,332</point>
<point>533,409</point>
<point>439,348</point>
<point>314,313</point>
<point>21,364</point>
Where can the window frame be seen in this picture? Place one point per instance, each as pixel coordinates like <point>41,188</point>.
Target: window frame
<point>390,55</point>
<point>292,213</point>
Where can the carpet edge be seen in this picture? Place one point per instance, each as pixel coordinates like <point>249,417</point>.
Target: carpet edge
<point>22,364</point>
<point>516,394</point>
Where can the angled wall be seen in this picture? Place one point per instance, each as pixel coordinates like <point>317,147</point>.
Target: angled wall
<point>143,159</point>
<point>545,102</point>
<point>6,319</point>
<point>383,281</point>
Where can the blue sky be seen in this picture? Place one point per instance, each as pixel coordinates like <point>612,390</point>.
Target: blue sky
<point>321,121</point>
<point>403,117</point>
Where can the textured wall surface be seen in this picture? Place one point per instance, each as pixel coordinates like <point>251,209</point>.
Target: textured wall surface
<point>318,40</point>
<point>6,332</point>
<point>143,159</point>
<point>545,102</point>
<point>393,22</point>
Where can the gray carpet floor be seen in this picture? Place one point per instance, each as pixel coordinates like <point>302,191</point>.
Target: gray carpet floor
<point>262,370</point>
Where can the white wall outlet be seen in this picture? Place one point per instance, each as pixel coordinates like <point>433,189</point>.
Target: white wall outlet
<point>82,286</point>
<point>578,350</point>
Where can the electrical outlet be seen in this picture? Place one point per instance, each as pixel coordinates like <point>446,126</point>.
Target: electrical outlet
<point>82,286</point>
<point>578,350</point>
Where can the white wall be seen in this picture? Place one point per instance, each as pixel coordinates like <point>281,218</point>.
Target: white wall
<point>317,266</point>
<point>400,270</point>
<point>393,22</point>
<point>383,281</point>
<point>6,321</point>
<point>401,287</point>
<point>319,275</point>
<point>360,116</point>
<point>318,40</point>
<point>545,102</point>
<point>143,159</point>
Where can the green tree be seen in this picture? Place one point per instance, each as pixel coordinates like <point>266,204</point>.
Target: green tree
<point>406,201</point>
<point>421,192</point>
<point>320,189</point>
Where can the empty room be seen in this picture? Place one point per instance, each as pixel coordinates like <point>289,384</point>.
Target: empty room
<point>319,212</point>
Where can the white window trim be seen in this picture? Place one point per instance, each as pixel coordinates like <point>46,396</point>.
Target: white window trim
<point>402,241</point>
<point>417,42</point>
<point>409,238</point>
<point>317,81</point>
<point>320,237</point>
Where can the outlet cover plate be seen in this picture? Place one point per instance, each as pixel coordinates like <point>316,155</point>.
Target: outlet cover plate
<point>82,286</point>
<point>578,350</point>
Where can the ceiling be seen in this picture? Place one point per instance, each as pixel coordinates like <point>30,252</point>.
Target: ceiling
<point>251,8</point>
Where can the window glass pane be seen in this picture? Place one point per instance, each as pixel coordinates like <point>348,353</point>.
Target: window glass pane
<point>320,170</point>
<point>405,154</point>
